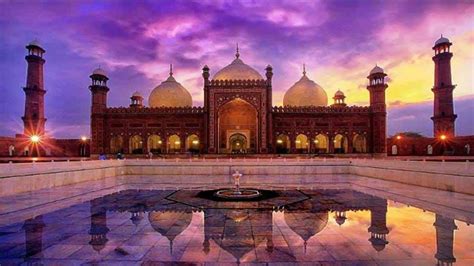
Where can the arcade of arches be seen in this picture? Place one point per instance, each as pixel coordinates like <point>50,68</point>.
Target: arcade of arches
<point>155,144</point>
<point>320,144</point>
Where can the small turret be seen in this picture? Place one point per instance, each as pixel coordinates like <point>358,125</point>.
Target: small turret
<point>339,99</point>
<point>136,100</point>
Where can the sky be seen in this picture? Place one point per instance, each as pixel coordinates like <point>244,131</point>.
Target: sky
<point>135,41</point>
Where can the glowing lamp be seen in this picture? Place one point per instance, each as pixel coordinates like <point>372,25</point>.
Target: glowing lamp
<point>316,141</point>
<point>399,137</point>
<point>159,142</point>
<point>443,137</point>
<point>177,142</point>
<point>195,141</point>
<point>83,138</point>
<point>298,141</point>
<point>35,138</point>
<point>238,144</point>
<point>279,141</point>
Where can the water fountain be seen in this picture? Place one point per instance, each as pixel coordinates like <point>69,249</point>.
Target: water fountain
<point>237,193</point>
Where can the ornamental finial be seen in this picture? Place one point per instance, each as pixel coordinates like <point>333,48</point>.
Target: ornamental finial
<point>304,69</point>
<point>237,54</point>
<point>171,69</point>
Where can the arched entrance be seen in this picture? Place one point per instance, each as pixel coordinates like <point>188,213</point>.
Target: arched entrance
<point>238,143</point>
<point>174,144</point>
<point>116,144</point>
<point>321,143</point>
<point>359,144</point>
<point>283,144</point>
<point>394,150</point>
<point>192,143</point>
<point>136,145</point>
<point>301,143</point>
<point>154,144</point>
<point>237,119</point>
<point>340,144</point>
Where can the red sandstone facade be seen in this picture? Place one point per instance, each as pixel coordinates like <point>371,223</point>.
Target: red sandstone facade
<point>238,117</point>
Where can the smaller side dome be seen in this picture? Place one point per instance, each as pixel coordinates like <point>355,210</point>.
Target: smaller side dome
<point>136,94</point>
<point>442,40</point>
<point>376,70</point>
<point>339,93</point>
<point>305,92</point>
<point>99,71</point>
<point>170,93</point>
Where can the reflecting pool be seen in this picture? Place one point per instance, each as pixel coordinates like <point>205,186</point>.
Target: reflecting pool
<point>326,225</point>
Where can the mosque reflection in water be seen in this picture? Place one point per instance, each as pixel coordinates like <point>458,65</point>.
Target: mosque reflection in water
<point>239,231</point>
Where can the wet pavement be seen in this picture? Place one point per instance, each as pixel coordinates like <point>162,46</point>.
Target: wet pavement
<point>336,224</point>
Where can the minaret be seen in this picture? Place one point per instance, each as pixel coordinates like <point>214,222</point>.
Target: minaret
<point>443,113</point>
<point>444,240</point>
<point>99,91</point>
<point>99,229</point>
<point>378,225</point>
<point>377,87</point>
<point>34,119</point>
<point>34,236</point>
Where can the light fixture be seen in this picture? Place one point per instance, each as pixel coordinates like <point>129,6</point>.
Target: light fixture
<point>279,141</point>
<point>195,141</point>
<point>83,138</point>
<point>443,137</point>
<point>316,141</point>
<point>159,142</point>
<point>298,141</point>
<point>177,142</point>
<point>35,138</point>
<point>399,137</point>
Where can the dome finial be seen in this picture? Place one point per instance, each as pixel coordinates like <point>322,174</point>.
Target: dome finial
<point>304,69</point>
<point>237,54</point>
<point>171,70</point>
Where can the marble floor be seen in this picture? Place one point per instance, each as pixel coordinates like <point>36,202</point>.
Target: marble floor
<point>343,220</point>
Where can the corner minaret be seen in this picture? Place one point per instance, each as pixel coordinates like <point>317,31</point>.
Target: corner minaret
<point>377,87</point>
<point>99,92</point>
<point>443,113</point>
<point>34,119</point>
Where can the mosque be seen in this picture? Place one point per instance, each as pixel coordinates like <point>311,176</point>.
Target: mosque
<point>238,117</point>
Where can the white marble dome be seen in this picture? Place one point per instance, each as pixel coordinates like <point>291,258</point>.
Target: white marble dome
<point>170,93</point>
<point>305,92</point>
<point>237,70</point>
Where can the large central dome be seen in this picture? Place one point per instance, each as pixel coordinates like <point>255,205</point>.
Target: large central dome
<point>170,93</point>
<point>237,70</point>
<point>305,92</point>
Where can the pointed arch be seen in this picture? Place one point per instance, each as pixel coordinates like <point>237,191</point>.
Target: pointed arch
<point>321,143</point>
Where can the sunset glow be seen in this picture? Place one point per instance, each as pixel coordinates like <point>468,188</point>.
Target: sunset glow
<point>136,41</point>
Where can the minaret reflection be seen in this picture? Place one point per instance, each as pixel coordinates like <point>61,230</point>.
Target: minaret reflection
<point>99,227</point>
<point>444,240</point>
<point>378,225</point>
<point>34,236</point>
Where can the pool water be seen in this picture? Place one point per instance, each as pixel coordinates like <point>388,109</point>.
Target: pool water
<point>327,225</point>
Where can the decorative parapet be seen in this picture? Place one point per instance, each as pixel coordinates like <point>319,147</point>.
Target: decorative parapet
<point>321,109</point>
<point>240,83</point>
<point>155,110</point>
